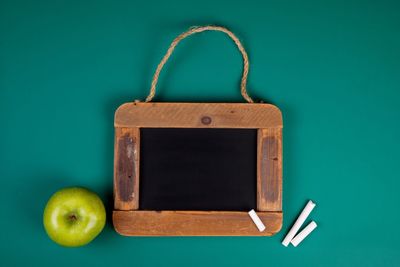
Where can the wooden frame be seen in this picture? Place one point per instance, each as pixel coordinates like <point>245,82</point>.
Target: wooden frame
<point>130,117</point>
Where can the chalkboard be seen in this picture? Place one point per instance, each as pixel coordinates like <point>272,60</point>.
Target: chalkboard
<point>198,169</point>
<point>184,169</point>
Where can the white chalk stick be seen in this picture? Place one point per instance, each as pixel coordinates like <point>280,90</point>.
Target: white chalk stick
<point>300,220</point>
<point>257,221</point>
<point>304,233</point>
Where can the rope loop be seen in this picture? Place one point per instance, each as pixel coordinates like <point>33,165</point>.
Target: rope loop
<point>199,29</point>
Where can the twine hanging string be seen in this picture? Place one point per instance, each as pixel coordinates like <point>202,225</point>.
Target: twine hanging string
<point>194,30</point>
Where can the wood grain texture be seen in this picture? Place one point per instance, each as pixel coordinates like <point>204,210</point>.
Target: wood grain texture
<point>132,116</point>
<point>194,223</point>
<point>269,173</point>
<point>126,168</point>
<point>198,115</point>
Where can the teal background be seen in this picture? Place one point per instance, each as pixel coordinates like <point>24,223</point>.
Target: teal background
<point>333,67</point>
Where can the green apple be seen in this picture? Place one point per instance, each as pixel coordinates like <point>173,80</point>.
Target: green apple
<point>74,216</point>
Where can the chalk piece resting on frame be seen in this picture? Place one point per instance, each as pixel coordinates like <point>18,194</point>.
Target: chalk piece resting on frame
<point>196,169</point>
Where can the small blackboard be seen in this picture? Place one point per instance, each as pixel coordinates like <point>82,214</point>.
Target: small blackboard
<point>198,169</point>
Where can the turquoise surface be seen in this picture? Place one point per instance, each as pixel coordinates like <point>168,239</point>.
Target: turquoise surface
<point>333,67</point>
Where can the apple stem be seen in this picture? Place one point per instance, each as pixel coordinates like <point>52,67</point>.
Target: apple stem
<point>72,217</point>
